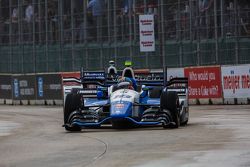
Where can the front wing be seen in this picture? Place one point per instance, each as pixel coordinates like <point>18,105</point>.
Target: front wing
<point>92,117</point>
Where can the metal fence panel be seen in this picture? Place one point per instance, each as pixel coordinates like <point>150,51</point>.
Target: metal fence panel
<point>64,35</point>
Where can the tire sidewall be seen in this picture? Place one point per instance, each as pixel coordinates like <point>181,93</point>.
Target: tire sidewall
<point>169,100</point>
<point>73,102</point>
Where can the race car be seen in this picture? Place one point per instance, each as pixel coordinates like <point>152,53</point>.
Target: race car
<point>153,102</point>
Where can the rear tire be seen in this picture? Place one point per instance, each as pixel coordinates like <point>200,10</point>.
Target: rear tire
<point>184,117</point>
<point>72,103</point>
<point>170,101</point>
<point>184,123</point>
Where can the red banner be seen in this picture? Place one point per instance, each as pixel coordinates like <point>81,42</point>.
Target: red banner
<point>204,82</point>
<point>70,75</point>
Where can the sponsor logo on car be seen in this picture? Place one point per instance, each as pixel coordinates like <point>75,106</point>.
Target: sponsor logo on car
<point>119,106</point>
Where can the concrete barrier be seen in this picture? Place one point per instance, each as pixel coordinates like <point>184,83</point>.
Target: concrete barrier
<point>9,101</point>
<point>46,89</point>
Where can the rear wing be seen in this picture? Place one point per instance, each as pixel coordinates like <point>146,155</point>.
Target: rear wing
<point>178,82</point>
<point>89,83</point>
<point>158,79</point>
<point>91,80</point>
<point>150,78</point>
<point>100,79</point>
<point>179,85</point>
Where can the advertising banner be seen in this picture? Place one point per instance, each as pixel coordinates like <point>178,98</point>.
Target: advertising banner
<point>175,72</point>
<point>24,87</point>
<point>236,81</point>
<point>49,86</point>
<point>147,35</point>
<point>5,87</point>
<point>204,82</point>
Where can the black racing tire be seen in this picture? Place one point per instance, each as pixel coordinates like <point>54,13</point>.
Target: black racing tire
<point>73,128</point>
<point>184,123</point>
<point>72,103</point>
<point>164,118</point>
<point>170,101</point>
<point>74,90</point>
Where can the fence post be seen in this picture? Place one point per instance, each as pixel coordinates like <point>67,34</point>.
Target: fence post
<point>46,36</point>
<point>61,27</point>
<point>236,12</point>
<point>216,32</point>
<point>162,34</point>
<point>222,17</point>
<point>72,5</point>
<point>34,39</point>
<point>115,29</point>
<point>10,37</point>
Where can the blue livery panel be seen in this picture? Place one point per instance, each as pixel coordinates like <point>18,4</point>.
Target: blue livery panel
<point>121,109</point>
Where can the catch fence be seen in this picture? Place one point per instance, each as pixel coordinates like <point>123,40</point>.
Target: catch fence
<point>63,35</point>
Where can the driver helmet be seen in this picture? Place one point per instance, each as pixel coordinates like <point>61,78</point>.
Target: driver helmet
<point>111,63</point>
<point>126,79</point>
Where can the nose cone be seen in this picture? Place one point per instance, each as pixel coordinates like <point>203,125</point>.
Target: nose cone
<point>121,109</point>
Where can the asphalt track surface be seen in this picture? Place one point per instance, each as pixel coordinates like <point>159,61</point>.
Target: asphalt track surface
<point>216,136</point>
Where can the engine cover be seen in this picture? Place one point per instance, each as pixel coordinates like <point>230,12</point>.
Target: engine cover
<point>122,103</point>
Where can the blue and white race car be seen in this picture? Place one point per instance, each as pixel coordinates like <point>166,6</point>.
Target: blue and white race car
<point>149,102</point>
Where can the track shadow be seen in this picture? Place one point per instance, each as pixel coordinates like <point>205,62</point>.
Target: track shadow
<point>109,128</point>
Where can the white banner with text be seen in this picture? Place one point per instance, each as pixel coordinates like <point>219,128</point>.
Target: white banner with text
<point>147,34</point>
<point>236,81</point>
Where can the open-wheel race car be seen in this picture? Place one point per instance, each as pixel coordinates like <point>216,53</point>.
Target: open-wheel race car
<point>131,101</point>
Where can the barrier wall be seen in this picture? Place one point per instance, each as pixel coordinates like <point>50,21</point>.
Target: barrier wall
<point>40,89</point>
<point>236,83</point>
<point>204,84</point>
<point>216,84</point>
<point>5,89</point>
<point>207,85</point>
<point>49,88</point>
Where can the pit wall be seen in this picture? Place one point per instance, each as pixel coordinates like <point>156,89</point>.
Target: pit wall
<point>207,85</point>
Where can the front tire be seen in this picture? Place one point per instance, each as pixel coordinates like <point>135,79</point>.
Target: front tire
<point>170,101</point>
<point>72,103</point>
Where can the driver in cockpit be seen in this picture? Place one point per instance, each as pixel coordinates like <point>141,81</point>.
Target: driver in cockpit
<point>126,79</point>
<point>128,72</point>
